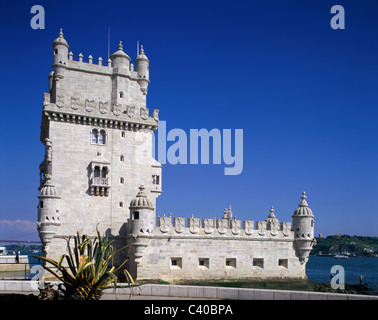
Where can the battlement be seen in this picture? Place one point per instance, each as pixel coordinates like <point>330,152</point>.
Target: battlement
<point>99,68</point>
<point>222,228</point>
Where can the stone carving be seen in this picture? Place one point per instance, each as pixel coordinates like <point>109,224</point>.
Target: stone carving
<point>273,228</point>
<point>208,225</point>
<point>179,224</point>
<point>222,226</point>
<point>144,113</point>
<point>130,111</point>
<point>261,227</point>
<point>155,114</point>
<point>248,227</point>
<point>194,224</point>
<point>164,224</point>
<point>89,105</point>
<point>286,226</point>
<point>74,103</point>
<point>60,101</point>
<point>235,226</point>
<point>116,109</point>
<point>103,107</point>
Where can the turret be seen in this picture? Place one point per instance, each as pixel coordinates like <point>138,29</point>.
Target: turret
<point>143,71</point>
<point>142,214</point>
<point>120,59</point>
<point>60,47</point>
<point>48,206</point>
<point>48,213</point>
<point>303,227</point>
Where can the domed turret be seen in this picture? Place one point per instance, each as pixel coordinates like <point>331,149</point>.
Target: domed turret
<point>303,227</point>
<point>142,213</point>
<point>48,213</point>
<point>143,70</point>
<point>60,47</point>
<point>120,59</point>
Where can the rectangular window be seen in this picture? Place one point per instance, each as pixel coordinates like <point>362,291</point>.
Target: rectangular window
<point>176,263</point>
<point>283,263</point>
<point>231,263</point>
<point>258,263</point>
<point>136,215</point>
<point>203,263</point>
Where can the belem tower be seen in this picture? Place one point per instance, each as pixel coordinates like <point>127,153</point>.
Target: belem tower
<point>95,173</point>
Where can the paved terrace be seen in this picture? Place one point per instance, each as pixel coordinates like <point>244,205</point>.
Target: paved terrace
<point>159,291</point>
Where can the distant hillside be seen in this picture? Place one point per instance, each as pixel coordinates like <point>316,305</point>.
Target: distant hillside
<point>355,245</point>
<point>23,247</point>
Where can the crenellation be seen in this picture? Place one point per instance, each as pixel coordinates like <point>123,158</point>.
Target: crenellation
<point>219,227</point>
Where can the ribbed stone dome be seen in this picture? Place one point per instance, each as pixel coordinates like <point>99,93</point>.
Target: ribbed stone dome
<point>303,209</point>
<point>142,55</point>
<point>141,200</point>
<point>60,39</point>
<point>48,189</point>
<point>119,53</point>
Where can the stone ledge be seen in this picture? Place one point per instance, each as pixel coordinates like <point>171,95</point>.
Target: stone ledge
<point>182,291</point>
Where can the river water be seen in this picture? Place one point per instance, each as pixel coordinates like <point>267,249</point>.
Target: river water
<point>318,269</point>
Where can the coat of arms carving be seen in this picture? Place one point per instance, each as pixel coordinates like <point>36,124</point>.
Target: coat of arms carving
<point>164,224</point>
<point>179,224</point>
<point>74,103</point>
<point>59,101</point>
<point>89,105</point>
<point>144,113</point>
<point>103,107</point>
<point>116,109</point>
<point>194,225</point>
<point>248,227</point>
<point>235,226</point>
<point>208,225</point>
<point>130,111</point>
<point>155,114</point>
<point>222,226</point>
<point>261,227</point>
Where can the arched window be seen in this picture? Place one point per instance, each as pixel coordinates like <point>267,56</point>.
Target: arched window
<point>94,136</point>
<point>98,136</point>
<point>96,171</point>
<point>102,137</point>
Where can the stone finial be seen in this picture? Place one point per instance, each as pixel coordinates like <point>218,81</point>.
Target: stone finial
<point>272,213</point>
<point>80,57</point>
<point>141,49</point>
<point>120,46</point>
<point>109,63</point>
<point>61,33</point>
<point>90,59</point>
<point>100,61</point>
<point>70,56</point>
<point>303,202</point>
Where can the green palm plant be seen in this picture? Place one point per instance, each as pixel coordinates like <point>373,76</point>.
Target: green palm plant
<point>89,267</point>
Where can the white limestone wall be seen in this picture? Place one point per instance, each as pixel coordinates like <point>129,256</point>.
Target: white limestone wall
<point>156,262</point>
<point>72,153</point>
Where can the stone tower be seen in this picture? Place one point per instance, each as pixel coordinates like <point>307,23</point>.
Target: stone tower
<point>303,227</point>
<point>97,132</point>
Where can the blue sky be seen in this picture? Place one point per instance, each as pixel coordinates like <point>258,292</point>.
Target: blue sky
<point>304,94</point>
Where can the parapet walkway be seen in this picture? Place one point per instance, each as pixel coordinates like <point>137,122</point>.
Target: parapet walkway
<point>171,292</point>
